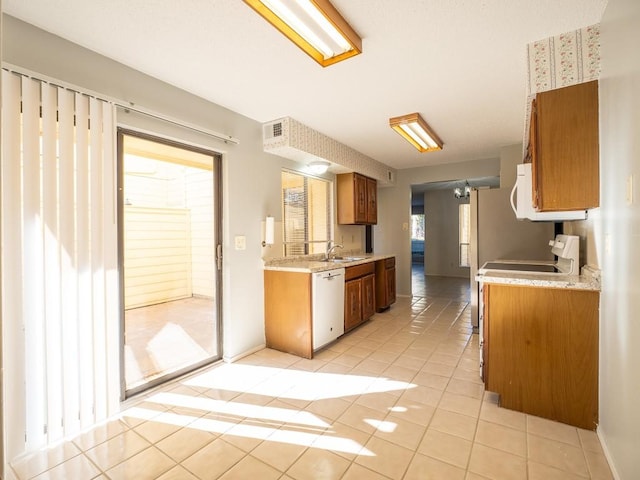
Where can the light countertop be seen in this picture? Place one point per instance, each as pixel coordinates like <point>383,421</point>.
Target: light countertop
<point>589,279</point>
<point>314,263</point>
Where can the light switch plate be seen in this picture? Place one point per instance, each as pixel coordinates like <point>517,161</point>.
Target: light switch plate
<point>240,242</point>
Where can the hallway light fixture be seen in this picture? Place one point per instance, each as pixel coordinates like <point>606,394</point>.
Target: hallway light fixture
<point>313,25</point>
<point>318,167</point>
<point>415,130</point>
<point>459,192</point>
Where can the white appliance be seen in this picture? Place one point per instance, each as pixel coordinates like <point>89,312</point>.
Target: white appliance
<point>327,311</point>
<point>565,247</point>
<point>523,206</point>
<point>496,233</point>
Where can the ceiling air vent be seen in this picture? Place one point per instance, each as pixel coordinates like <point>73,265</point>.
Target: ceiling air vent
<point>272,130</point>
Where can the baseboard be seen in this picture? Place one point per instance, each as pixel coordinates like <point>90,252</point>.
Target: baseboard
<point>8,473</point>
<point>235,358</point>
<point>607,455</point>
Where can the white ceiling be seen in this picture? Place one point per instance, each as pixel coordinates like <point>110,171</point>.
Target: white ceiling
<point>460,63</point>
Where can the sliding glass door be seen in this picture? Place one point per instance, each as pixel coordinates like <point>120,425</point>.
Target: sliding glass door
<point>169,227</point>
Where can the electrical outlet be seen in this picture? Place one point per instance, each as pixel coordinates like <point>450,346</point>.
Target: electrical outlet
<point>240,242</point>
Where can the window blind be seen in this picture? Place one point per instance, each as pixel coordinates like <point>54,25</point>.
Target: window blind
<point>60,302</point>
<point>307,219</point>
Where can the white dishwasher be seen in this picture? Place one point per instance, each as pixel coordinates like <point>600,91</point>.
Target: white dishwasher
<point>327,311</point>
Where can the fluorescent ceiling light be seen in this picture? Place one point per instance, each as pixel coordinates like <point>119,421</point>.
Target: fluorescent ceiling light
<point>416,131</point>
<point>313,25</point>
<point>318,167</point>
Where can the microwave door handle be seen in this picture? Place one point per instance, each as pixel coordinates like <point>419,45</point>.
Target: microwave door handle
<point>513,192</point>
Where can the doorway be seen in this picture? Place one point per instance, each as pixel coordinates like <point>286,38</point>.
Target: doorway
<point>169,233</point>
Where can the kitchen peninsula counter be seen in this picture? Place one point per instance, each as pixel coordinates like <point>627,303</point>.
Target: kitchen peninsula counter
<point>588,280</point>
<point>299,290</point>
<point>314,263</point>
<point>539,343</point>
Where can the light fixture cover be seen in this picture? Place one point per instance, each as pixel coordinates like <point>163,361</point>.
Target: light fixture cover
<point>313,25</point>
<point>318,166</point>
<point>460,192</point>
<point>416,131</point>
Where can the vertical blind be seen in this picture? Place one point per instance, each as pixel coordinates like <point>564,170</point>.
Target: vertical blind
<point>307,221</point>
<point>60,303</point>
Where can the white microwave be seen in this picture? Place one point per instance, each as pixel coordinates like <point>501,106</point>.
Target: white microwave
<point>522,193</point>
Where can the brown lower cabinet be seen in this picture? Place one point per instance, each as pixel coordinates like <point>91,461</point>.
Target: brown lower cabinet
<point>541,351</point>
<point>385,283</point>
<point>287,312</point>
<point>359,294</point>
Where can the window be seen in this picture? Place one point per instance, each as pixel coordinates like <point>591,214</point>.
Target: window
<point>464,233</point>
<point>306,213</point>
<point>417,227</point>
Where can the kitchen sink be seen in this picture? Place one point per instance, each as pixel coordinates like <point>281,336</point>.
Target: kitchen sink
<point>342,259</point>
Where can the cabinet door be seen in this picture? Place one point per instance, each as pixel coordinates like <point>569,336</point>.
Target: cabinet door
<point>357,199</point>
<point>532,153</point>
<point>566,159</point>
<point>390,282</point>
<point>372,201</point>
<point>288,315</point>
<point>360,189</point>
<point>485,328</point>
<point>543,352</point>
<point>352,304</point>
<point>368,296</point>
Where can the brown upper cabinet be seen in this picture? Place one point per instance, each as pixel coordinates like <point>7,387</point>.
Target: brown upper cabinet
<point>357,199</point>
<point>563,148</point>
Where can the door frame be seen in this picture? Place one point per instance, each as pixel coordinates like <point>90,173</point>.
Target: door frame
<point>217,209</point>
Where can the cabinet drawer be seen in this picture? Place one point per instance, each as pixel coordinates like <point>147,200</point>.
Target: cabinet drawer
<point>359,270</point>
<point>390,262</point>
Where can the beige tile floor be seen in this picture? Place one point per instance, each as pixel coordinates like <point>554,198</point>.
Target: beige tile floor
<point>398,398</point>
<point>167,337</point>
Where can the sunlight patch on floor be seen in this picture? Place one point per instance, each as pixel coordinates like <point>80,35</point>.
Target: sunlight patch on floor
<point>238,409</point>
<point>293,384</point>
<point>320,438</point>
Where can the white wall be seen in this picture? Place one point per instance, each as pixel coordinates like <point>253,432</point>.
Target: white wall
<point>441,251</point>
<point>510,156</point>
<point>617,237</point>
<point>2,432</point>
<point>392,234</point>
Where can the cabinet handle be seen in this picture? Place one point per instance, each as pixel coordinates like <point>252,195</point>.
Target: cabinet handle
<point>219,256</point>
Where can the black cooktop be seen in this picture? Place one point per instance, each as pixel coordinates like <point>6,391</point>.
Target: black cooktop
<point>520,267</point>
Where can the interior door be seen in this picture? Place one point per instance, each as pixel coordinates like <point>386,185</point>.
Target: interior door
<point>169,231</point>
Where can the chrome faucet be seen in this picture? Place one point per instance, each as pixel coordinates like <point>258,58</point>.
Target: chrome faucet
<point>331,248</point>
